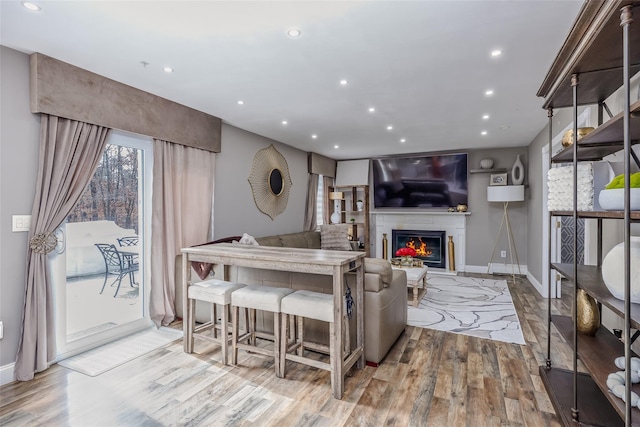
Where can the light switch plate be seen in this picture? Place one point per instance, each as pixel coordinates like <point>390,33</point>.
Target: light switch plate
<point>21,223</point>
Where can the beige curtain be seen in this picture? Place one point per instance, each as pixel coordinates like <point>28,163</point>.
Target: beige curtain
<point>182,207</point>
<point>69,155</point>
<point>310,211</point>
<point>328,205</point>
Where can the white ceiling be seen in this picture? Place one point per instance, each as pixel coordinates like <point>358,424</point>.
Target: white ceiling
<point>424,65</point>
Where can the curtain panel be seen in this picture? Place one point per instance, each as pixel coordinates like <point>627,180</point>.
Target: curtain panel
<point>310,210</point>
<point>69,155</point>
<point>182,209</point>
<point>327,206</point>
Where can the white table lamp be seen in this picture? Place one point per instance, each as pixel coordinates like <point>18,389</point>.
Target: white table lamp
<point>506,194</point>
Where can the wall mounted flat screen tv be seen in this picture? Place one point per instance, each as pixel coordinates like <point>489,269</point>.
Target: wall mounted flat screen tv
<point>426,181</point>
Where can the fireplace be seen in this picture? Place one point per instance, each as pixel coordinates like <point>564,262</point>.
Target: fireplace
<point>430,245</point>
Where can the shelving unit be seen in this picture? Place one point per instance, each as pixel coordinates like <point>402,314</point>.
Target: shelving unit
<point>359,228</point>
<point>598,57</point>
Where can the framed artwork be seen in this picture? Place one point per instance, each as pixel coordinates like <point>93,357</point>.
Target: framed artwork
<point>498,179</point>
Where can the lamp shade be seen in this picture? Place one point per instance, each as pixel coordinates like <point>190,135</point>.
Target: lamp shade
<point>505,193</point>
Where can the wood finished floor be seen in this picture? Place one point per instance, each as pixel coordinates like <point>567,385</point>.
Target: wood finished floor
<point>429,378</point>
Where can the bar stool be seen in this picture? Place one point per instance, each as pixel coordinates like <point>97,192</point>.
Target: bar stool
<point>309,305</point>
<point>215,292</point>
<point>254,298</point>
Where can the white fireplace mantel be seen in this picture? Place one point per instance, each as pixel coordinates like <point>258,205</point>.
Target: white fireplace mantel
<point>453,223</point>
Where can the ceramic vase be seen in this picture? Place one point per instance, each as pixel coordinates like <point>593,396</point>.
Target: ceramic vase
<point>587,313</point>
<point>452,254</point>
<point>359,205</point>
<point>613,270</point>
<point>517,172</point>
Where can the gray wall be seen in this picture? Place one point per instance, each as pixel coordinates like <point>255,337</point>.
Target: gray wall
<point>484,222</point>
<point>19,136</point>
<point>561,118</point>
<point>235,211</point>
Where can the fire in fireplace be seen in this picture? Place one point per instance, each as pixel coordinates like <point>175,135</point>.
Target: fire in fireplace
<point>429,245</point>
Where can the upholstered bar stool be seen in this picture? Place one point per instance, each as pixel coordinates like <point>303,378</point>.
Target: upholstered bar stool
<point>254,298</point>
<point>215,292</point>
<point>305,305</point>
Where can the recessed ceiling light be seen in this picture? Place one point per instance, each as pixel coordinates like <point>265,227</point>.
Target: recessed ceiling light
<point>496,52</point>
<point>485,117</point>
<point>389,127</point>
<point>31,6</point>
<point>403,140</point>
<point>284,122</point>
<point>343,82</point>
<point>240,102</point>
<point>372,109</point>
<point>484,132</point>
<point>314,136</point>
<point>294,32</point>
<point>489,92</point>
<point>336,146</point>
<point>167,69</point>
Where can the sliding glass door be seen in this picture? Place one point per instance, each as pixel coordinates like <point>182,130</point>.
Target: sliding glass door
<point>100,268</point>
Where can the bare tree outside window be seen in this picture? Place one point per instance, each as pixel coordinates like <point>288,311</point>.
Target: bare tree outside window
<point>112,194</point>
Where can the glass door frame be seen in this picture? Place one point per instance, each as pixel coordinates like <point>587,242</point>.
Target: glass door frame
<point>66,348</point>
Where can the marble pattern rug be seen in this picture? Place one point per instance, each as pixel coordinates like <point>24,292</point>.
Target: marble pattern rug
<point>473,306</point>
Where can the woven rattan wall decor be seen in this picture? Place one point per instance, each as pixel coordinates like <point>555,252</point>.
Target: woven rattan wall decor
<point>270,181</point>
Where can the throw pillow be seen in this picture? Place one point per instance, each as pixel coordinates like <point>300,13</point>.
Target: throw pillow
<point>248,240</point>
<point>335,237</point>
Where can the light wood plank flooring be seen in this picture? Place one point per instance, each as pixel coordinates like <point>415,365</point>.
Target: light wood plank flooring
<point>429,378</point>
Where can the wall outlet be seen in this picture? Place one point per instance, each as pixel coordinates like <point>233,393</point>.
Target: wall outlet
<point>503,254</point>
<point>20,223</point>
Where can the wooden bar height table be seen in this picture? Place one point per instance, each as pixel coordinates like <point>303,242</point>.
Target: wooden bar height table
<point>315,261</point>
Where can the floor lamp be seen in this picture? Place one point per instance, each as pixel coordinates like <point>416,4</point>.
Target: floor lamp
<point>506,194</point>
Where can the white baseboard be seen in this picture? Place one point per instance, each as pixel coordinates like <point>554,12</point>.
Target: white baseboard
<point>498,269</point>
<point>541,289</point>
<point>7,374</point>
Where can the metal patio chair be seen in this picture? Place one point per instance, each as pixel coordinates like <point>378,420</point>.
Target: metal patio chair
<point>116,265</point>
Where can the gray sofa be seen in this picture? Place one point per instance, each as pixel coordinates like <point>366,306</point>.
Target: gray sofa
<point>385,298</point>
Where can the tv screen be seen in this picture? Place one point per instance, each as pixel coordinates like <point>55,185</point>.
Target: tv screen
<point>427,181</point>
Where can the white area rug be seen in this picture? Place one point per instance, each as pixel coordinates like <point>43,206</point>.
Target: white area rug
<point>101,359</point>
<point>468,305</point>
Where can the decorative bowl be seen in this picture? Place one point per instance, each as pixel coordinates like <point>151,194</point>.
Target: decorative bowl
<point>461,207</point>
<point>613,200</point>
<point>567,138</point>
<point>486,163</point>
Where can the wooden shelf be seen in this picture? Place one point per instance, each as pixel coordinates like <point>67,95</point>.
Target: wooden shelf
<point>559,385</point>
<point>635,215</point>
<point>604,140</point>
<point>359,229</point>
<point>590,279</point>
<point>597,61</point>
<point>493,170</point>
<point>598,353</point>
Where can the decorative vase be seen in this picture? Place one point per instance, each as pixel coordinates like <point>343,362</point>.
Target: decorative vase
<point>335,217</point>
<point>613,270</point>
<point>461,207</point>
<point>517,172</point>
<point>587,313</point>
<point>452,254</point>
<point>385,243</point>
<point>359,205</point>
<point>486,163</point>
